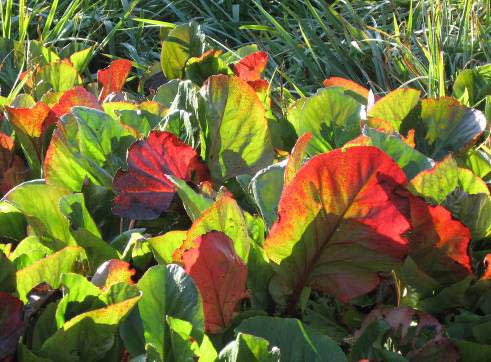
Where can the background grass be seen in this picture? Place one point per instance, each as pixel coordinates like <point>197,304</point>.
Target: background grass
<point>382,44</point>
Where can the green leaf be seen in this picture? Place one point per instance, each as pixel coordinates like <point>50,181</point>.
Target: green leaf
<point>331,115</point>
<point>57,77</point>
<point>168,291</point>
<point>183,42</point>
<point>391,111</point>
<point>164,246</point>
<point>88,336</point>
<point>235,137</point>
<point>447,126</point>
<point>184,348</point>
<point>167,92</point>
<point>198,69</point>
<point>12,222</point>
<point>7,274</point>
<point>80,296</point>
<point>80,60</point>
<point>48,270</point>
<point>194,203</point>
<point>226,216</point>
<point>102,139</point>
<point>249,348</point>
<point>473,85</point>
<point>266,187</point>
<point>42,212</point>
<point>296,341</point>
<point>410,160</point>
<point>474,211</point>
<point>28,251</point>
<point>436,184</point>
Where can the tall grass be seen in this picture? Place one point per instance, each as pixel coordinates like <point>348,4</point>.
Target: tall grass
<point>383,44</point>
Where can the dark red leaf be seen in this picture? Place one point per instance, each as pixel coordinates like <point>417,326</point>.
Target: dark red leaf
<point>220,276</point>
<point>11,324</point>
<point>113,77</point>
<point>144,191</point>
<point>251,67</point>
<point>77,96</point>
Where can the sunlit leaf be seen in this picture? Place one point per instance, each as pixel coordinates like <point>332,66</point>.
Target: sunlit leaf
<point>333,232</point>
<point>332,116</point>
<point>113,77</point>
<point>220,276</point>
<point>144,191</point>
<point>235,137</point>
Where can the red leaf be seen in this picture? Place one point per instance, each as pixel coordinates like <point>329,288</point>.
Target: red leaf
<point>220,276</point>
<point>438,243</point>
<point>113,77</point>
<point>112,272</point>
<point>251,67</point>
<point>31,121</point>
<point>144,190</point>
<point>346,84</point>
<point>11,324</point>
<point>340,223</point>
<point>77,96</point>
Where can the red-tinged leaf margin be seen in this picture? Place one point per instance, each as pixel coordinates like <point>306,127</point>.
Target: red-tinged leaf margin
<point>251,67</point>
<point>113,77</point>
<point>438,243</point>
<point>220,276</point>
<point>350,197</point>
<point>77,96</point>
<point>111,272</point>
<point>144,191</point>
<point>11,324</point>
<point>31,121</point>
<point>295,160</point>
<point>346,84</point>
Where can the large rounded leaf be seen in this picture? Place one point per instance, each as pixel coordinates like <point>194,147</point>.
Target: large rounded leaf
<point>331,115</point>
<point>235,137</point>
<point>144,190</point>
<point>341,222</point>
<point>447,126</point>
